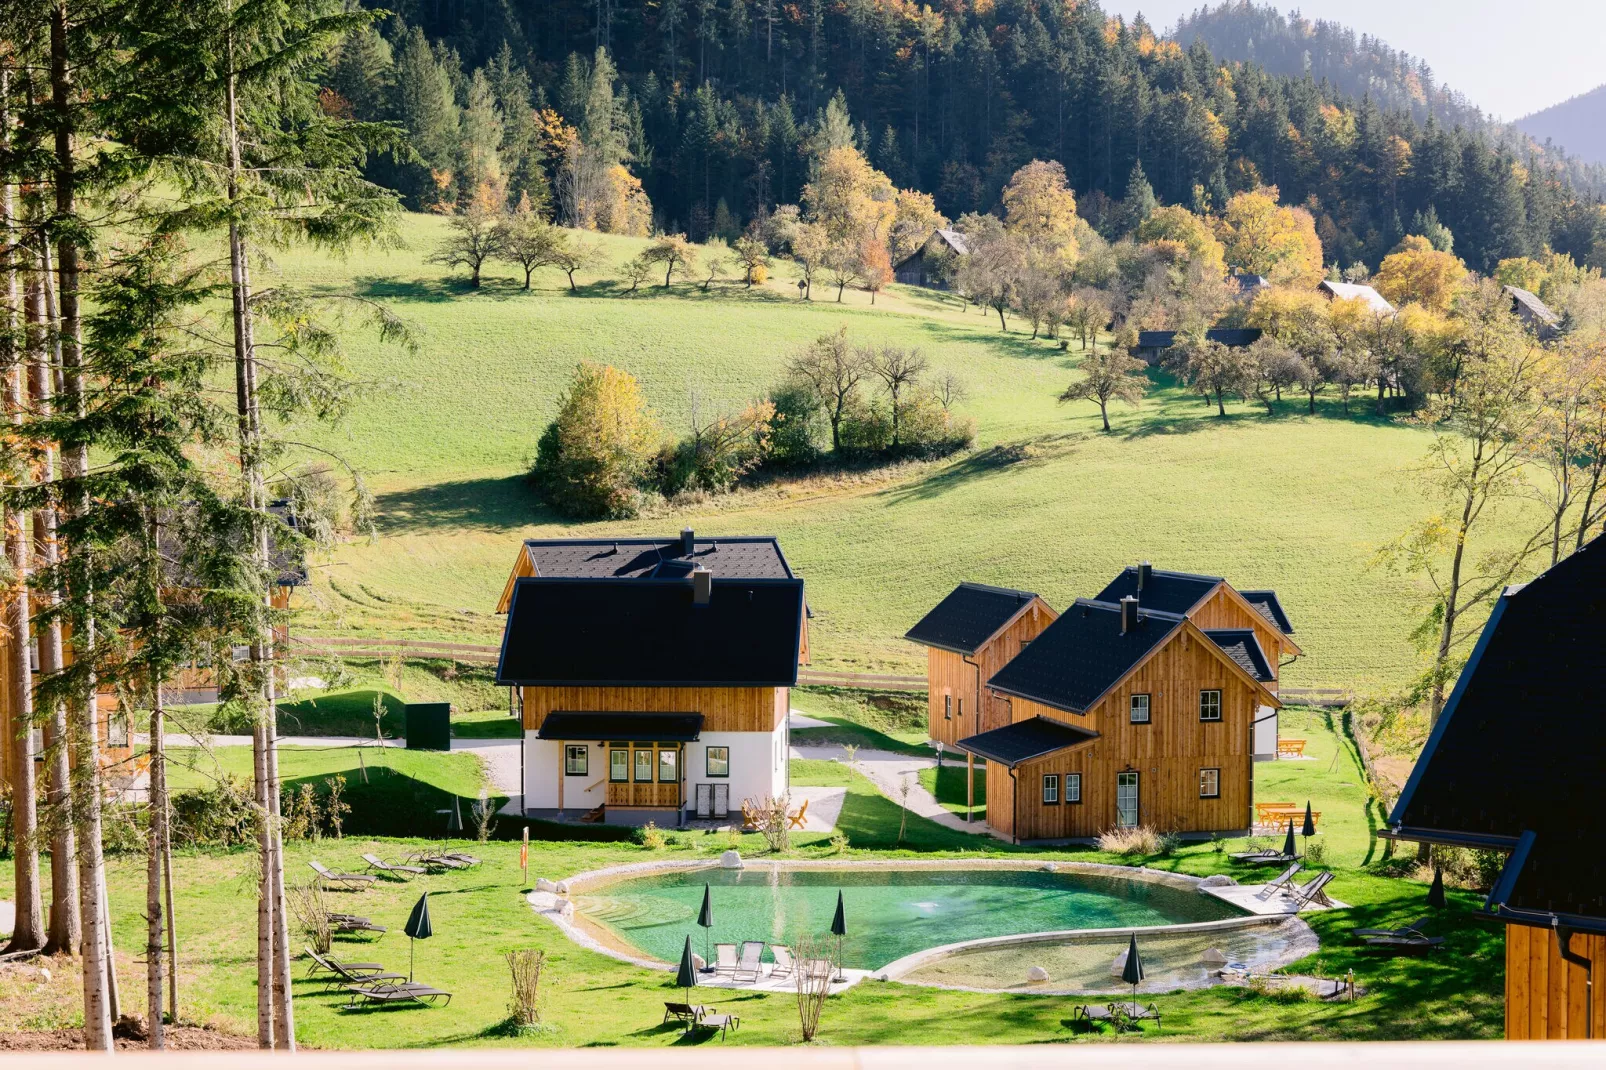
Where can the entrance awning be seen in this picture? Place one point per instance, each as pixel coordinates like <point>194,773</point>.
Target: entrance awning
<point>622,727</point>
<point>1025,741</point>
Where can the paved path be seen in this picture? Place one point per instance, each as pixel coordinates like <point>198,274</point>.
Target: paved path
<point>887,771</point>
<point>8,917</point>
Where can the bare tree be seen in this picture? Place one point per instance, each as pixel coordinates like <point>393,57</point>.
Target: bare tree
<point>675,253</point>
<point>571,255</point>
<point>832,369</point>
<point>900,370</point>
<point>1566,436</point>
<point>474,239</point>
<point>1111,375</point>
<point>812,973</point>
<point>843,266</point>
<point>950,390</point>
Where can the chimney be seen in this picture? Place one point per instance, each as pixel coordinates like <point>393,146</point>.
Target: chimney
<point>702,585</point>
<point>1145,570</point>
<point>688,542</point>
<point>1129,614</point>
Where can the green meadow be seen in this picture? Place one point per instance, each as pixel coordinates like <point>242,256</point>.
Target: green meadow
<point>1046,501</point>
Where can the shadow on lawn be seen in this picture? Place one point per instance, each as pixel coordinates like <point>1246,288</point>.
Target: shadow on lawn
<point>994,460</point>
<point>489,504</point>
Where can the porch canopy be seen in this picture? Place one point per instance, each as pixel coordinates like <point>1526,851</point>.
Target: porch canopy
<point>622,727</point>
<point>1025,741</point>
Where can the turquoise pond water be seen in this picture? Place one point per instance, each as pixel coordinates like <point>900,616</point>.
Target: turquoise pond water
<point>890,913</point>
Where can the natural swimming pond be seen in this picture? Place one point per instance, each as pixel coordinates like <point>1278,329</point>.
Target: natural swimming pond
<point>890,912</point>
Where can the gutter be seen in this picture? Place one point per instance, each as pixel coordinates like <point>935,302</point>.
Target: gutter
<point>976,701</point>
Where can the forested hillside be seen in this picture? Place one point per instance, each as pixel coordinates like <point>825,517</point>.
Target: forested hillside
<point>1577,125</point>
<point>703,115</point>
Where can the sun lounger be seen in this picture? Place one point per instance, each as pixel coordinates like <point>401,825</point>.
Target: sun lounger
<point>1136,1012</point>
<point>689,1013</point>
<point>398,993</point>
<point>405,871</point>
<point>750,964</point>
<point>355,923</point>
<point>784,963</point>
<point>459,856</point>
<point>1312,893</point>
<point>1284,881</point>
<point>725,958</point>
<point>1261,858</point>
<point>330,879</point>
<point>722,1022</point>
<point>342,975</point>
<point>1409,942</point>
<point>1120,1014</point>
<point>1413,928</point>
<point>330,964</point>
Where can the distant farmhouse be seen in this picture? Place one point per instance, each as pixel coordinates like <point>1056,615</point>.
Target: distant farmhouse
<point>1153,345</point>
<point>922,268</point>
<point>1514,765</point>
<point>1146,705</point>
<point>653,676</point>
<point>1354,291</point>
<point>1534,313</point>
<point>1248,285</point>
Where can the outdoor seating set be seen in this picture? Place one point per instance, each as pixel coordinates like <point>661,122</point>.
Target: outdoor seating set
<point>753,814</point>
<point>1273,816</point>
<point>415,864</point>
<point>1124,1016</point>
<point>368,983</point>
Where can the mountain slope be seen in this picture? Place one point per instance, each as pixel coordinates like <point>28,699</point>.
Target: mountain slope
<point>1577,125</point>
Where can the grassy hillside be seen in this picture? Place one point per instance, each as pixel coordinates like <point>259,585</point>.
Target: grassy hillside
<point>1294,502</point>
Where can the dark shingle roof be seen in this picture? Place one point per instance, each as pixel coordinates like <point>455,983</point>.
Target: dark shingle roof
<point>1227,336</point>
<point>648,633</point>
<point>1023,741</point>
<point>970,615</point>
<point>1532,305</point>
<point>1522,741</point>
<point>1267,605</point>
<point>1241,646</point>
<point>1169,592</point>
<point>1082,655</point>
<point>748,557</point>
<point>622,727</point>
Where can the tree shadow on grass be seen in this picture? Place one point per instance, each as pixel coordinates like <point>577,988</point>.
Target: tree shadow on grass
<point>490,504</point>
<point>446,288</point>
<point>994,460</point>
<point>1007,343</point>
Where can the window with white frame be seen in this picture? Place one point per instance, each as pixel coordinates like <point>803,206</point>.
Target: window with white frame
<point>576,759</point>
<point>1073,787</point>
<point>117,730</point>
<point>1209,783</point>
<point>1051,789</point>
<point>947,707</point>
<point>1210,705</point>
<point>618,765</point>
<point>1140,709</point>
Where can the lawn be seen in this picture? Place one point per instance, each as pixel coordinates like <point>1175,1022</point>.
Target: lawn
<point>1296,502</point>
<point>591,999</point>
<point>950,784</point>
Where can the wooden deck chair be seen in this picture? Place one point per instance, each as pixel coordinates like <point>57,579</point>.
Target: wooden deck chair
<point>795,821</point>
<point>725,958</point>
<point>784,963</point>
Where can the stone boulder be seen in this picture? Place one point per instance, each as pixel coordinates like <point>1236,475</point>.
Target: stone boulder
<point>544,885</point>
<point>561,888</point>
<point>730,860</point>
<point>1037,975</point>
<point>1220,880</point>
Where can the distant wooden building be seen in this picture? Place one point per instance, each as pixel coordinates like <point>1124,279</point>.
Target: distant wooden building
<point>653,676</point>
<point>1514,764</point>
<point>1248,285</point>
<point>922,267</point>
<point>1354,291</point>
<point>1534,313</point>
<point>1153,345</point>
<point>968,637</point>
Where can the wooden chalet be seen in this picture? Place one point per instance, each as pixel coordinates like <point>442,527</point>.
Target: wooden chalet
<point>968,637</point>
<point>1534,313</point>
<point>1514,764</point>
<point>922,267</point>
<point>654,676</point>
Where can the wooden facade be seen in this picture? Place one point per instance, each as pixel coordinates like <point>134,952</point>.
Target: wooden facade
<point>724,709</point>
<point>958,703</point>
<point>1167,754</point>
<point>1226,608</point>
<point>1547,997</point>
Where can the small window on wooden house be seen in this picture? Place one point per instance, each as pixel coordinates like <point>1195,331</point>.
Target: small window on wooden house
<point>644,765</point>
<point>1210,705</point>
<point>947,707</point>
<point>618,765</point>
<point>1051,789</point>
<point>117,730</point>
<point>961,709</point>
<point>1140,709</point>
<point>576,759</point>
<point>1209,783</point>
<point>1073,787</point>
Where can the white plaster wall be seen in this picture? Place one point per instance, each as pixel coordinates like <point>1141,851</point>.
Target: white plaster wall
<point>757,767</point>
<point>544,765</point>
<point>1265,741</point>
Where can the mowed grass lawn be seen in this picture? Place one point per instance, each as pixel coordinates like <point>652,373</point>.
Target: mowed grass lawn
<point>1047,502</point>
<point>591,999</point>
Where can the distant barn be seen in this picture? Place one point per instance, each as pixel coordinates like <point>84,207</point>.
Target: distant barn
<point>1354,291</point>
<point>1152,345</point>
<point>1534,313</point>
<point>921,269</point>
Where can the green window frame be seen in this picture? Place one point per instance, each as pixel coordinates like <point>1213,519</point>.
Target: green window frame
<point>669,767</point>
<point>619,765</point>
<point>644,765</point>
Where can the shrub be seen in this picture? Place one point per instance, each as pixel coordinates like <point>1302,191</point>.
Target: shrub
<point>772,822</point>
<point>651,837</point>
<point>839,843</point>
<point>311,909</point>
<point>1315,853</point>
<point>1138,840</point>
<point>797,427</point>
<point>524,1008</point>
<point>219,816</point>
<point>591,460</point>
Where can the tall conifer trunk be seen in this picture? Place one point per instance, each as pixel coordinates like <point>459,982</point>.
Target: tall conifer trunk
<point>156,832</point>
<point>98,986</point>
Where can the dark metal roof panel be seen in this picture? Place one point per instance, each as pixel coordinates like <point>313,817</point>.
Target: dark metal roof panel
<point>971,614</point>
<point>1024,741</point>
<point>1267,605</point>
<point>1241,646</point>
<point>1082,655</point>
<point>1169,592</point>
<point>741,557</point>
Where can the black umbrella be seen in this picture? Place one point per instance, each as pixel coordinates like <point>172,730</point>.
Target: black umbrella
<point>1309,828</point>
<point>1436,893</point>
<point>418,928</point>
<point>1132,972</point>
<point>705,918</point>
<point>839,928</point>
<point>1288,843</point>
<point>686,976</point>
<point>454,820</point>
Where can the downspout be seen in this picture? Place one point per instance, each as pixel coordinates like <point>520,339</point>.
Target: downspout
<point>1014,787</point>
<point>976,702</point>
<point>1564,939</point>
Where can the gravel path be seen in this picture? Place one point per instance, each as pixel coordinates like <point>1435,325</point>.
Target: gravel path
<point>887,771</point>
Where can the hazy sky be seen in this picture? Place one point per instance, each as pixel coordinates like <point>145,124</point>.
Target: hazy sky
<point>1510,59</point>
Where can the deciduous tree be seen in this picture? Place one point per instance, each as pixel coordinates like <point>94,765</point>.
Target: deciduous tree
<point>592,457</point>
<point>1110,375</point>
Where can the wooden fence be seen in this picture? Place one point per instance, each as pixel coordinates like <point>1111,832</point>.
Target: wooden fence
<point>1327,697</point>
